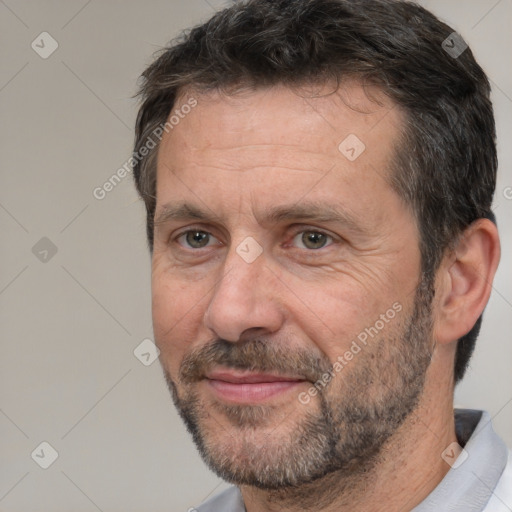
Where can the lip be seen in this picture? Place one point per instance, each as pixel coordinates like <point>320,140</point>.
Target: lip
<point>247,387</point>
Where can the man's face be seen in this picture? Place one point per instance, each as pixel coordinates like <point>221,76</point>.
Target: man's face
<point>303,268</point>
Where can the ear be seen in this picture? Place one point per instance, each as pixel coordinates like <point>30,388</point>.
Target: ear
<point>464,281</point>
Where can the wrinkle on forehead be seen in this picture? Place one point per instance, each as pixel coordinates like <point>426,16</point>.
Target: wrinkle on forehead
<point>252,157</point>
<point>288,143</point>
<point>365,104</point>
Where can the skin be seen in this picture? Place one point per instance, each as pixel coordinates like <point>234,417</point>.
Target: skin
<point>235,157</point>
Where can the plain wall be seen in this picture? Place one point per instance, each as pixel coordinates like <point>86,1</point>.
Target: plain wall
<point>70,324</point>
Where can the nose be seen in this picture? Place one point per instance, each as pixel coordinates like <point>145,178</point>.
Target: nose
<point>245,300</point>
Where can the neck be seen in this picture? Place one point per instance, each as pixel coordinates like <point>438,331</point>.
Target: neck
<point>405,471</point>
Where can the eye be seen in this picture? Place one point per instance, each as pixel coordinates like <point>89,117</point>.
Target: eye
<point>312,239</point>
<point>195,238</point>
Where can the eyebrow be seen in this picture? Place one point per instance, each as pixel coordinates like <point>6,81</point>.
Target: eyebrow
<point>182,211</point>
<point>306,211</point>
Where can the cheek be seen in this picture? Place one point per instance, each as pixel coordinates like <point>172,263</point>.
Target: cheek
<point>177,312</point>
<point>342,317</point>
<point>337,313</point>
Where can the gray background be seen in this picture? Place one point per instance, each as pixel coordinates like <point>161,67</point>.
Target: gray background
<point>71,320</point>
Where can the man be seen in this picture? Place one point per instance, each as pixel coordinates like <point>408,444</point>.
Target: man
<point>318,178</point>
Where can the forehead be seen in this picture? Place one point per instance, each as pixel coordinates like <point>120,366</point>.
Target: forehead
<point>265,113</point>
<point>296,133</point>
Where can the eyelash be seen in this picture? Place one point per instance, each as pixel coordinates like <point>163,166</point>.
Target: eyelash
<point>297,232</point>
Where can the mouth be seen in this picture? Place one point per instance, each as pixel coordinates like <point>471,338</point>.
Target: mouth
<point>249,387</point>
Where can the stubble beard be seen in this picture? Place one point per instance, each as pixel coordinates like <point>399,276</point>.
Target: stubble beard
<point>339,434</point>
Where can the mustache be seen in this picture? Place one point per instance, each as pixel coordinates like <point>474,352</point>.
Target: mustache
<point>254,356</point>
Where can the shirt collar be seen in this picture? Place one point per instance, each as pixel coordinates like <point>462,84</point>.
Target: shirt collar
<point>469,486</point>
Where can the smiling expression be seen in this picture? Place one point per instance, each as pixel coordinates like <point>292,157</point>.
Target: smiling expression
<point>273,249</point>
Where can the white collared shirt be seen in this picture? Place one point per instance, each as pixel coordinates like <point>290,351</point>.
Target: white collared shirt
<point>482,483</point>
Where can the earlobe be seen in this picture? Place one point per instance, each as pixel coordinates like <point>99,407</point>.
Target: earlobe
<point>464,281</point>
